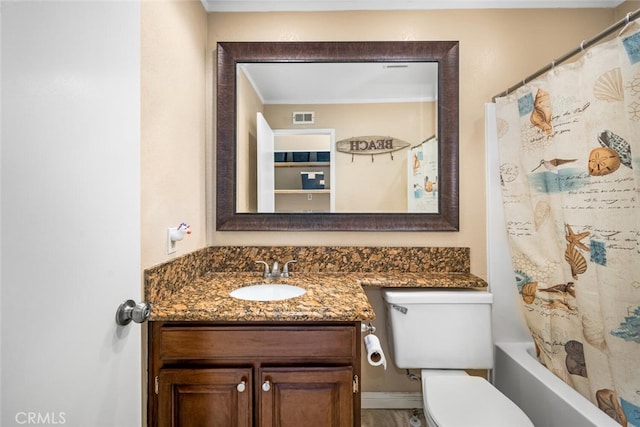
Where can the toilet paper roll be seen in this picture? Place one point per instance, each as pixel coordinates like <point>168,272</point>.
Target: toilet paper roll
<point>375,355</point>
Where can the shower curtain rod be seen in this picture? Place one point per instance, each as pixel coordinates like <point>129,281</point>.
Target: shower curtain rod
<point>585,44</point>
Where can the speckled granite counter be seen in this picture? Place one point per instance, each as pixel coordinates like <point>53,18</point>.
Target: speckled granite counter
<point>329,297</point>
<point>193,288</point>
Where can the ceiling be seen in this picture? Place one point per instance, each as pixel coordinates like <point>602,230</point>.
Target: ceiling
<point>328,5</point>
<point>343,83</point>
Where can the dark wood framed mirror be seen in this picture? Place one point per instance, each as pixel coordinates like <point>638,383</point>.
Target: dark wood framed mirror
<point>230,55</point>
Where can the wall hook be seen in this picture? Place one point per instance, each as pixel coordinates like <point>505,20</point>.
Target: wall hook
<point>175,234</point>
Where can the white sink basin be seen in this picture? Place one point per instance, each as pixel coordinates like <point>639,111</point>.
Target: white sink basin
<point>267,292</point>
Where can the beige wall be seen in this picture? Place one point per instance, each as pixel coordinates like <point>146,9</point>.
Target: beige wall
<point>173,37</point>
<point>626,7</point>
<point>497,49</point>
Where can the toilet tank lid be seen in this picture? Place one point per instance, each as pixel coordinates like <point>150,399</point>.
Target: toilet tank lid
<point>436,296</point>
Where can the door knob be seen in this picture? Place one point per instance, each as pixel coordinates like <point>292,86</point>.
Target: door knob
<point>129,311</point>
<point>241,386</point>
<point>266,386</point>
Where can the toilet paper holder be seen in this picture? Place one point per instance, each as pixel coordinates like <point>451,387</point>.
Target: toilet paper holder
<point>373,349</point>
<point>369,329</point>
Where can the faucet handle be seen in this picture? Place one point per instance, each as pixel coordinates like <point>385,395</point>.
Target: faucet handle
<point>266,268</point>
<point>285,269</point>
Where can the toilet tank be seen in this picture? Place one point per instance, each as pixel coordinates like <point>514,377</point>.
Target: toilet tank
<point>431,328</point>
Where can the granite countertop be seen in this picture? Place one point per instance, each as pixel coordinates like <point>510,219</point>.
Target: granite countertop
<point>329,296</point>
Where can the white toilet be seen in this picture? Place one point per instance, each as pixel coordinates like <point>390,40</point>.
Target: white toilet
<point>444,332</point>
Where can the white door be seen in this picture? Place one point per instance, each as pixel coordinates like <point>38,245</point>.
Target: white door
<point>266,173</point>
<point>70,223</point>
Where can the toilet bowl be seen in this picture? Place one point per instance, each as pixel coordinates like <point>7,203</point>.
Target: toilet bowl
<point>468,401</point>
<point>443,332</point>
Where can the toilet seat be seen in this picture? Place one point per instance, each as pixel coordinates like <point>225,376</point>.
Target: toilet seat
<point>463,401</point>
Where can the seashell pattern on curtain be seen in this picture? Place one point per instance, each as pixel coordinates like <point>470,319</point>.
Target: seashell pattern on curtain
<point>569,145</point>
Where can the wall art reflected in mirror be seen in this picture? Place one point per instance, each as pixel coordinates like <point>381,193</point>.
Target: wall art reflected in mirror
<point>337,136</point>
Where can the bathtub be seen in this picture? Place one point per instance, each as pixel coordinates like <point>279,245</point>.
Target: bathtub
<point>545,398</point>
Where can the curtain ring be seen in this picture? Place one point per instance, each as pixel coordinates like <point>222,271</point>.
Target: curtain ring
<point>627,20</point>
<point>582,45</point>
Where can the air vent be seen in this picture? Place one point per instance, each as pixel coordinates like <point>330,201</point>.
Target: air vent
<point>304,117</point>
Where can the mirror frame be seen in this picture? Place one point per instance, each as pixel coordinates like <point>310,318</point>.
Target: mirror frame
<point>230,54</point>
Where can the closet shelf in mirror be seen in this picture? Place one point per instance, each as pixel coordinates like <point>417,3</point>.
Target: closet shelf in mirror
<point>299,164</point>
<point>298,191</point>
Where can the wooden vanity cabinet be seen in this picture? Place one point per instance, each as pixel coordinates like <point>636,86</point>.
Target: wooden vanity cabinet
<point>263,375</point>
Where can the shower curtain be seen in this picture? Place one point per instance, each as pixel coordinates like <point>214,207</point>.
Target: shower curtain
<point>422,177</point>
<point>569,145</point>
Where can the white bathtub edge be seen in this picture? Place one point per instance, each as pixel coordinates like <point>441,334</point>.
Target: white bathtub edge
<point>519,352</point>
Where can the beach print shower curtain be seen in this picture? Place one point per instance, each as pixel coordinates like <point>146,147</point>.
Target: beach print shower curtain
<point>569,145</point>
<point>422,177</point>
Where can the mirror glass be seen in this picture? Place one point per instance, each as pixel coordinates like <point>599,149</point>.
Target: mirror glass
<point>390,107</point>
<point>337,136</point>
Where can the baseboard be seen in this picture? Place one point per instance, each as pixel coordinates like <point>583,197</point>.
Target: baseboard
<point>391,400</point>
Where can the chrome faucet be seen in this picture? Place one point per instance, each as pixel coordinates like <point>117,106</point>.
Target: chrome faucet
<point>275,269</point>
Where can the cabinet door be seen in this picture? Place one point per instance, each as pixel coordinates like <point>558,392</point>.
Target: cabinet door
<point>310,397</point>
<point>204,397</point>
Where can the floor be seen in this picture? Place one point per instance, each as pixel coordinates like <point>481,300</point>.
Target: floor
<point>391,418</point>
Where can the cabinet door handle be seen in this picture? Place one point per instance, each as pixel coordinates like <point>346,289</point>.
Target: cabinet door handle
<point>266,386</point>
<point>241,386</point>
